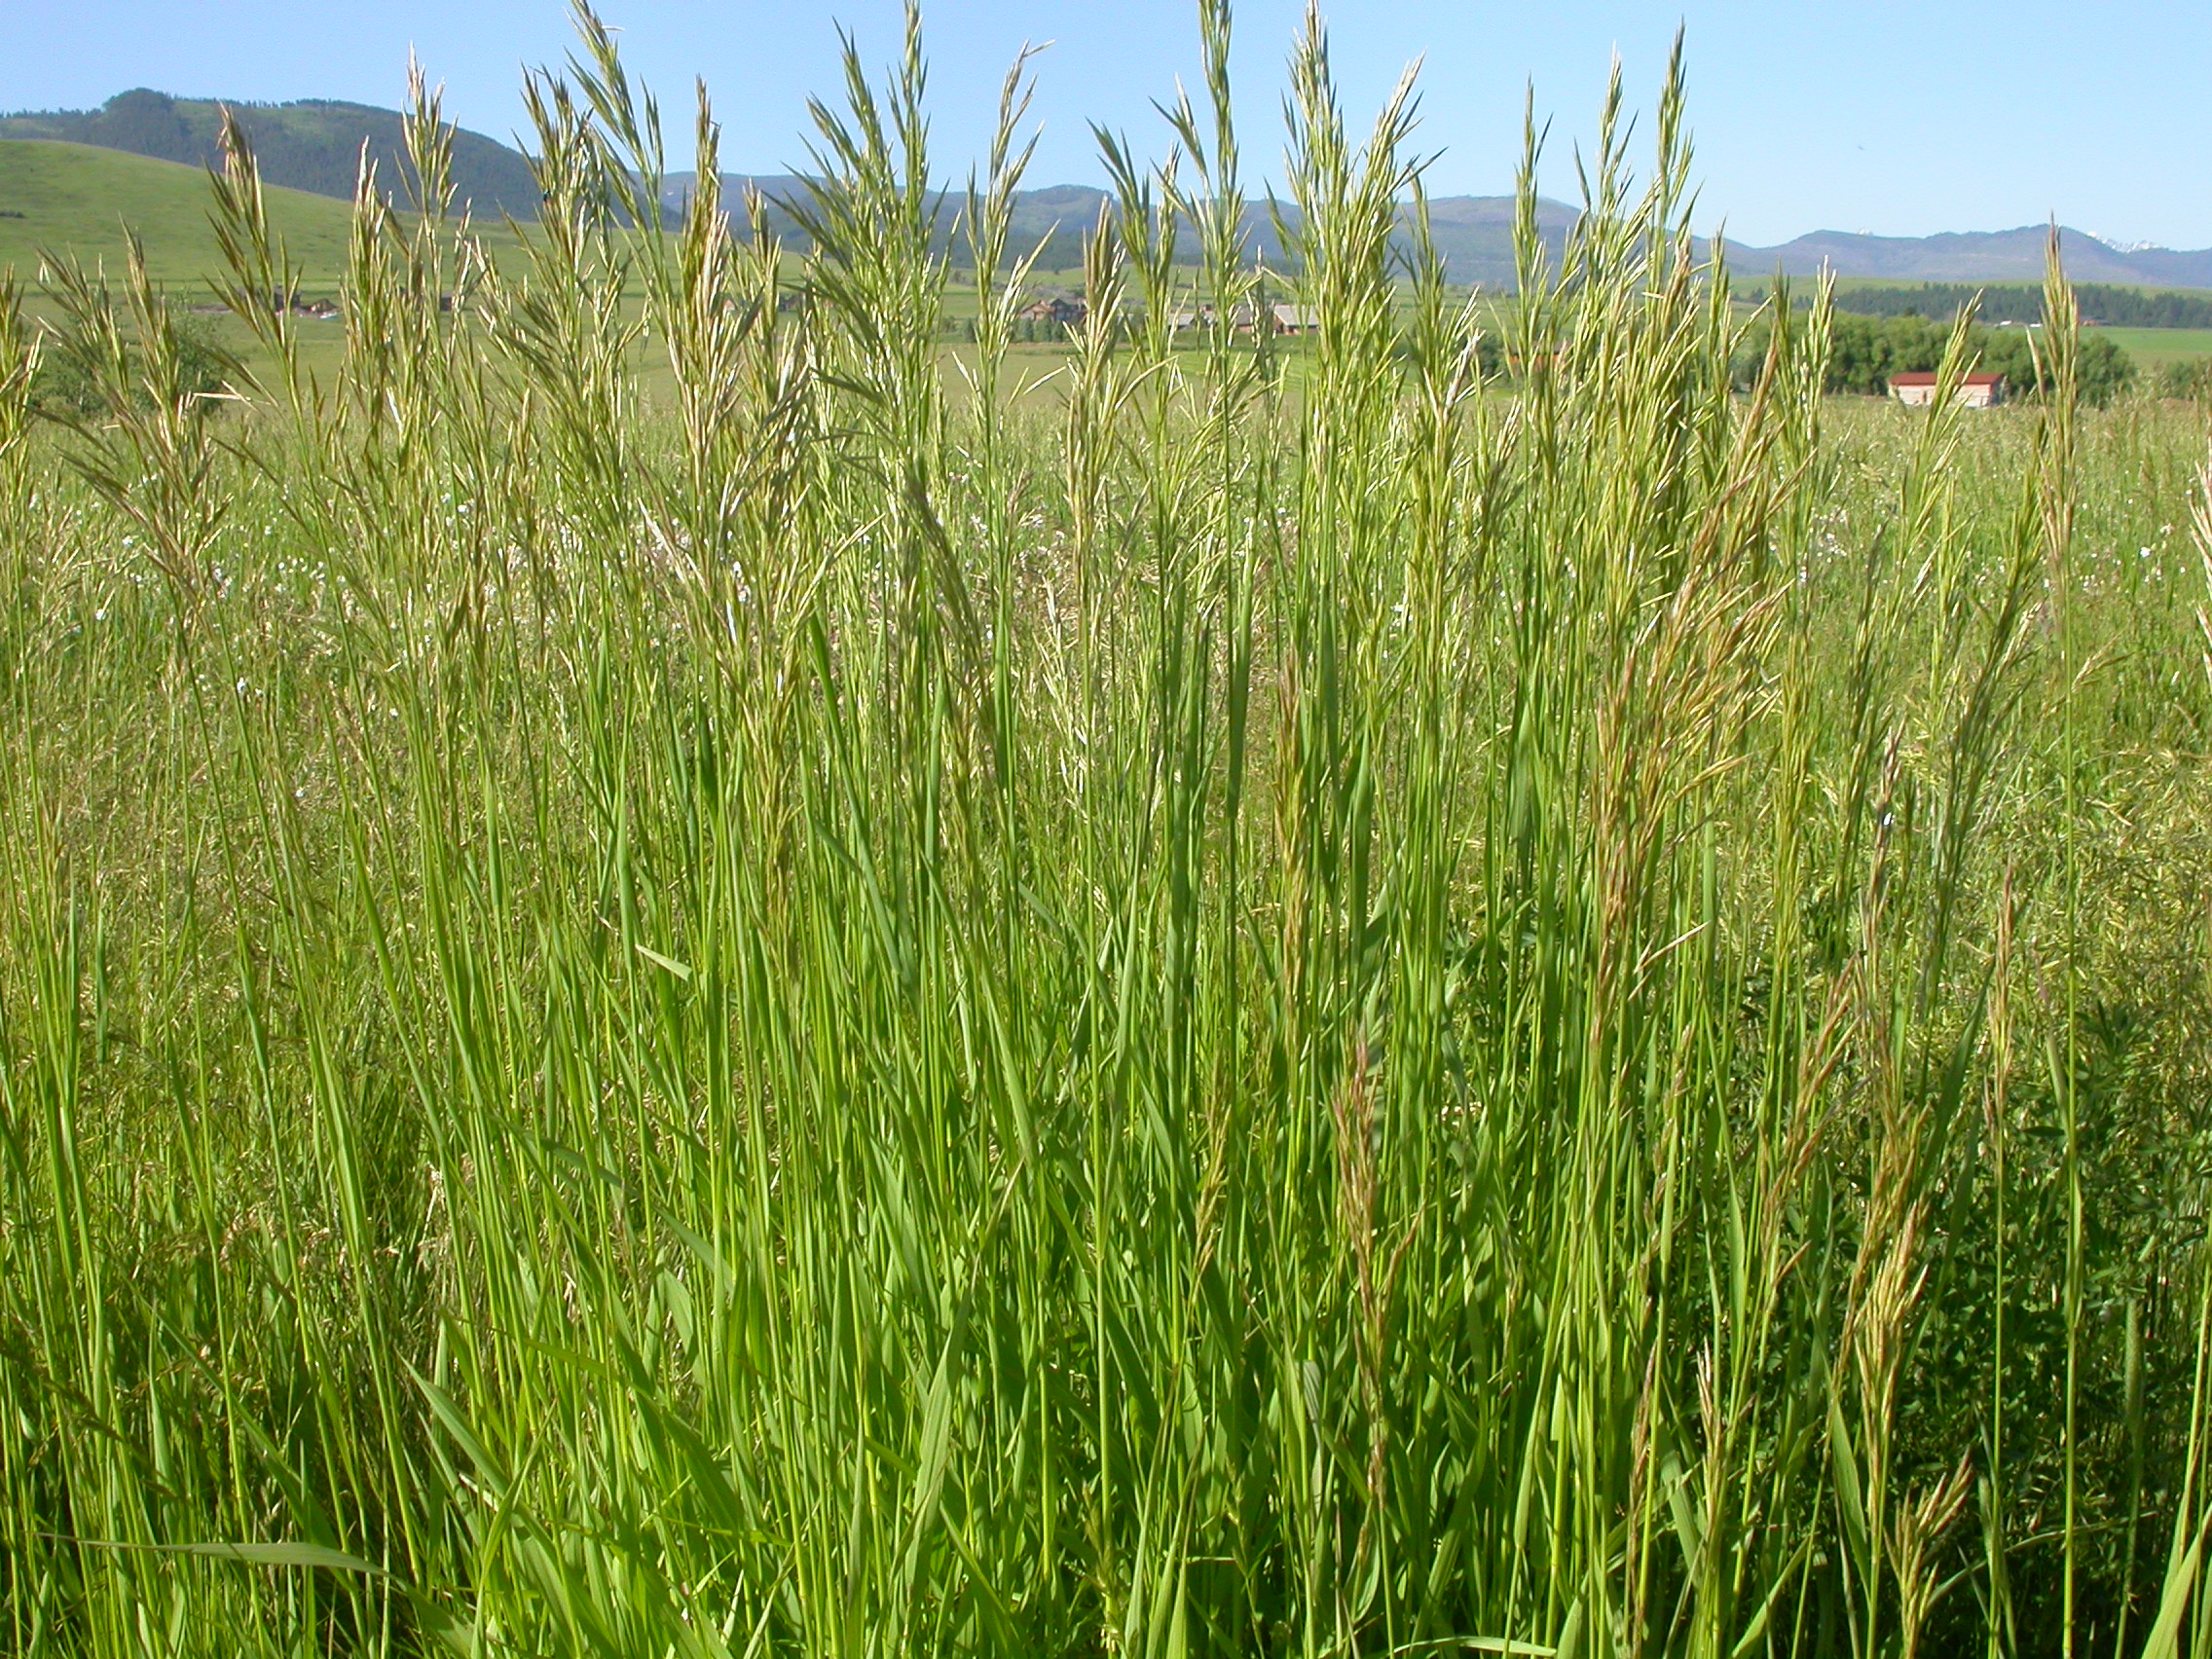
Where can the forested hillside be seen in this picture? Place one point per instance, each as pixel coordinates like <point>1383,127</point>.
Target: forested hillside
<point>314,146</point>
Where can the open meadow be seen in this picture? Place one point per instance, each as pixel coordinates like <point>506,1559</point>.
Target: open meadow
<point>2156,347</point>
<point>678,980</point>
<point>74,199</point>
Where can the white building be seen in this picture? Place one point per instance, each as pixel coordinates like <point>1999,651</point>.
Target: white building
<point>1975,392</point>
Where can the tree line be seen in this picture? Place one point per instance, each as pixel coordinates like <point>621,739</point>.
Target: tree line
<point>1865,352</point>
<point>2022,303</point>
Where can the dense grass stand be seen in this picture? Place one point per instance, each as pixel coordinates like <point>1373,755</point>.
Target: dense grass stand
<point>1274,998</point>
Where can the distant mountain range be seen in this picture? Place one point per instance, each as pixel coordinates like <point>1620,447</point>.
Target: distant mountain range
<point>1474,233</point>
<point>316,145</point>
<point>1978,256</point>
<point>1475,236</point>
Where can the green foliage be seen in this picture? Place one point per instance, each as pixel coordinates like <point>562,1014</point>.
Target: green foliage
<point>2190,378</point>
<point>1275,1001</point>
<point>1867,351</point>
<point>2104,370</point>
<point>314,145</point>
<point>64,385</point>
<point>2021,303</point>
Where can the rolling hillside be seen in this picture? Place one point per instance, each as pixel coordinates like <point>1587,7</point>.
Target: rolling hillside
<point>77,197</point>
<point>313,146</point>
<point>142,154</point>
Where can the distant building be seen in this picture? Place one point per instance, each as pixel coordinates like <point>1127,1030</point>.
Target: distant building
<point>1280,319</point>
<point>1055,308</point>
<point>1975,392</point>
<point>1205,316</point>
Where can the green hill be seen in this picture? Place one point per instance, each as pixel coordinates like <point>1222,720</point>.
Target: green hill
<point>78,198</point>
<point>314,146</point>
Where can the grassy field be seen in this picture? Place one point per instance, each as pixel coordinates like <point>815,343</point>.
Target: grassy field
<point>1262,1002</point>
<point>76,198</point>
<point>2152,349</point>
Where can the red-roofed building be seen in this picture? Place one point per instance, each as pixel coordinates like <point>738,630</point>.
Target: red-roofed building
<point>1975,392</point>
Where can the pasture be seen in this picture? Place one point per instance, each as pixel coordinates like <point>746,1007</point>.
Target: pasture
<point>2152,349</point>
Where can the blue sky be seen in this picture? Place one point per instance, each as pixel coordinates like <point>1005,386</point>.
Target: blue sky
<point>1902,119</point>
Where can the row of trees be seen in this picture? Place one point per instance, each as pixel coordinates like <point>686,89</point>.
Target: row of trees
<point>2022,302</point>
<point>1867,351</point>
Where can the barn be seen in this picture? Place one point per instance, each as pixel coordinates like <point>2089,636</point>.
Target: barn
<point>1975,392</point>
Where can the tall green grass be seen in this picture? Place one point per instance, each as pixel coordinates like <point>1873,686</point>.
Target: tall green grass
<point>1275,1001</point>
